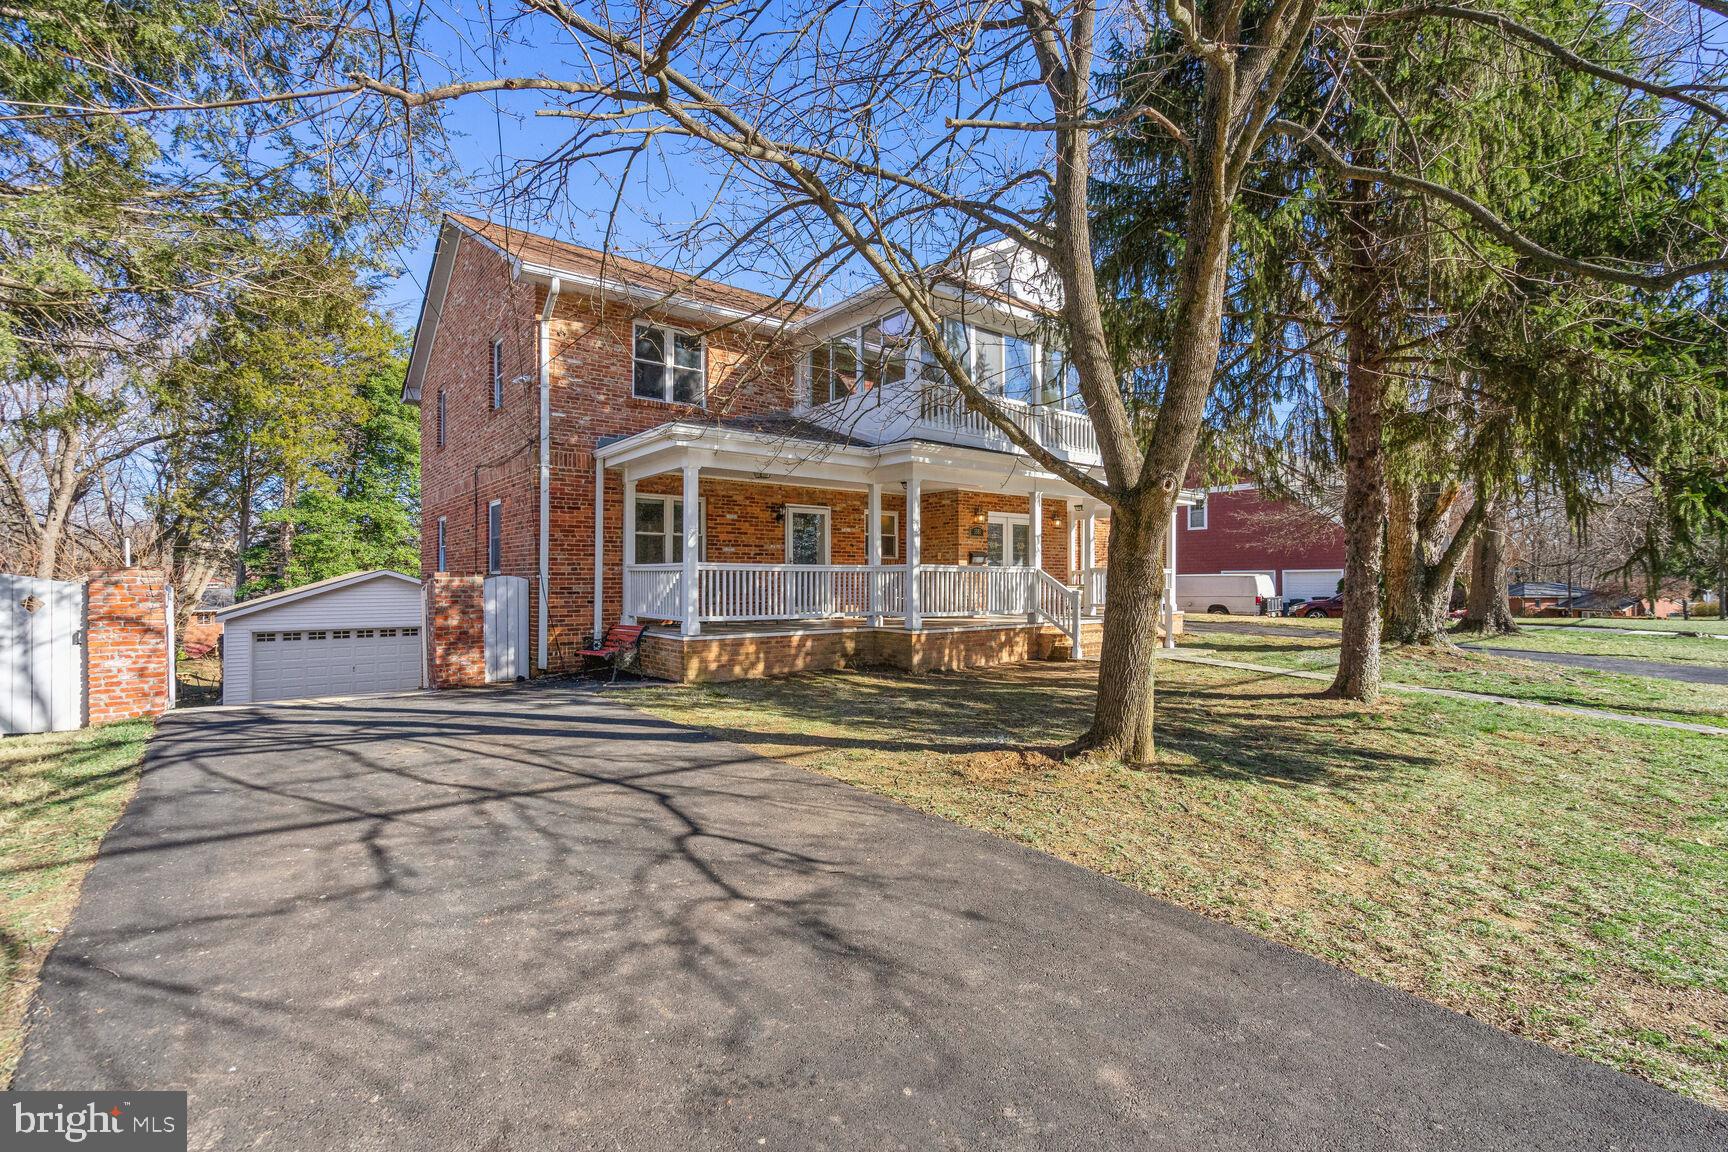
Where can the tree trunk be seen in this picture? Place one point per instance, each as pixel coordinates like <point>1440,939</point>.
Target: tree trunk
<point>1489,610</point>
<point>1364,513</point>
<point>1122,718</point>
<point>1408,619</point>
<point>1140,518</point>
<point>242,526</point>
<point>1365,368</point>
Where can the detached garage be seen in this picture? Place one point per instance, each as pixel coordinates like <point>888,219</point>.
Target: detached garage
<point>340,637</point>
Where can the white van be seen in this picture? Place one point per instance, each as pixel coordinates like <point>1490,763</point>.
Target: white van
<point>1236,595</point>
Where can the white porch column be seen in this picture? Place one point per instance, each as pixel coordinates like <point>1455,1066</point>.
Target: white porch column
<point>914,530</point>
<point>599,547</point>
<point>873,553</point>
<point>1170,586</point>
<point>691,607</point>
<point>1088,555</point>
<point>1036,509</point>
<point>629,541</point>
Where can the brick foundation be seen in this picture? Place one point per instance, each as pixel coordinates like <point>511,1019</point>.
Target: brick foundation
<point>749,656</point>
<point>126,657</point>
<point>456,630</point>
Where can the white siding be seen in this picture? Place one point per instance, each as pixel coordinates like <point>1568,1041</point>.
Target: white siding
<point>384,601</point>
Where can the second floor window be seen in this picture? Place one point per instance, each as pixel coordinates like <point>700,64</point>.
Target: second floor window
<point>497,366</point>
<point>669,365</point>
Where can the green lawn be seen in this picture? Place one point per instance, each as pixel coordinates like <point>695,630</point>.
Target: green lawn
<point>1566,880</point>
<point>59,794</point>
<point>1316,650</point>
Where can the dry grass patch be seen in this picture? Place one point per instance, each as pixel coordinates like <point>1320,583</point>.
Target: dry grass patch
<point>1563,880</point>
<point>60,792</point>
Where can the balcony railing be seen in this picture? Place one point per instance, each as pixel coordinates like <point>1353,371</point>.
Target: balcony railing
<point>759,592</point>
<point>934,410</point>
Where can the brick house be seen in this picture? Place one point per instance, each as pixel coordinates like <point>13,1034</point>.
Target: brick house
<point>849,506</point>
<point>1237,528</point>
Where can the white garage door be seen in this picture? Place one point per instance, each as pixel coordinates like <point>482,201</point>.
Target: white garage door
<point>1311,583</point>
<point>334,662</point>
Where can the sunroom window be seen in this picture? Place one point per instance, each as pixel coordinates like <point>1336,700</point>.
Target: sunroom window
<point>669,365</point>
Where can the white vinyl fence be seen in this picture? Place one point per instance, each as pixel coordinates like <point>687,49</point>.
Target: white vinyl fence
<point>506,628</point>
<point>41,655</point>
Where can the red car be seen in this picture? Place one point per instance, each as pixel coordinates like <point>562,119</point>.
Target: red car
<point>1330,606</point>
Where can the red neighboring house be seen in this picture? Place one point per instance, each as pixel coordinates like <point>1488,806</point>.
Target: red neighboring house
<point>1236,529</point>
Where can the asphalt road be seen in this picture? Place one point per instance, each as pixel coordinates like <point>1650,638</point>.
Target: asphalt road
<point>534,919</point>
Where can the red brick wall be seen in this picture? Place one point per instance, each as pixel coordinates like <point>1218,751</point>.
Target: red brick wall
<point>1245,532</point>
<point>950,517</point>
<point>456,630</point>
<point>494,455</point>
<point>742,530</point>
<point>126,655</point>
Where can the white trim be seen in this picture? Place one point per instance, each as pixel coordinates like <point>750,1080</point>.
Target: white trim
<point>1205,517</point>
<point>1233,488</point>
<point>288,596</point>
<point>827,514</point>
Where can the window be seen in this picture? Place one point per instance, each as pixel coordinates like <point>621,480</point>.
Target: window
<point>495,536</point>
<point>889,533</point>
<point>1003,364</point>
<point>834,369</point>
<point>861,359</point>
<point>669,366</point>
<point>660,530</point>
<point>1197,516</point>
<point>440,417</point>
<point>442,559</point>
<point>1059,385</point>
<point>497,372</point>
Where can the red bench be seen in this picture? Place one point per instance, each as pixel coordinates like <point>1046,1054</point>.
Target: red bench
<point>622,642</point>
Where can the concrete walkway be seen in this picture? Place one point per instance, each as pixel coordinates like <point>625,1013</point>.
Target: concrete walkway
<point>536,919</point>
<point>1623,665</point>
<point>1453,693</point>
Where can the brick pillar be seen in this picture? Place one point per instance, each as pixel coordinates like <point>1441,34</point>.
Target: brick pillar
<point>456,630</point>
<point>126,657</point>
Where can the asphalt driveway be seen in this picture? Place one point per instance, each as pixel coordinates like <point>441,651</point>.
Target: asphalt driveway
<point>536,919</point>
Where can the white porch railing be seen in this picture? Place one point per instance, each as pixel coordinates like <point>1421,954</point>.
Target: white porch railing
<point>1092,584</point>
<point>753,592</point>
<point>935,410</point>
<point>798,592</point>
<point>654,591</point>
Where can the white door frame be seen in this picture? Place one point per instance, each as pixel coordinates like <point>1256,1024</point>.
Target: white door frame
<point>1008,520</point>
<point>827,515</point>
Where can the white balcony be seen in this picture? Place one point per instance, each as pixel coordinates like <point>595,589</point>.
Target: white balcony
<point>935,411</point>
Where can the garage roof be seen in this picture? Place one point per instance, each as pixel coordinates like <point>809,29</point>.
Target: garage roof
<point>288,596</point>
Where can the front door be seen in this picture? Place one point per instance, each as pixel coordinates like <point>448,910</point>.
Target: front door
<point>1008,545</point>
<point>807,593</point>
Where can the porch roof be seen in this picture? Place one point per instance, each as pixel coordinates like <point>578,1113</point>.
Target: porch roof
<point>789,450</point>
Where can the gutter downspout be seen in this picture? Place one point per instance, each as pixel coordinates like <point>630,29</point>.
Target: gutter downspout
<point>545,469</point>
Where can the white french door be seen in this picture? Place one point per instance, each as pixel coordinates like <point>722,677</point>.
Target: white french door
<point>1007,545</point>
